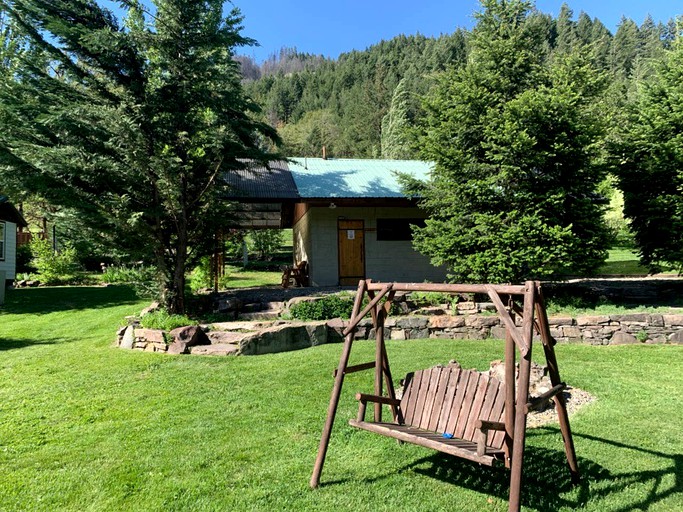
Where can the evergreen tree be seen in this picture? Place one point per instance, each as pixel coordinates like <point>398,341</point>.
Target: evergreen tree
<point>132,125</point>
<point>567,38</point>
<point>649,166</point>
<point>625,46</point>
<point>514,142</point>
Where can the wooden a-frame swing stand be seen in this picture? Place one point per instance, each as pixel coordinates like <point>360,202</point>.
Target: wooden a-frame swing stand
<point>453,410</point>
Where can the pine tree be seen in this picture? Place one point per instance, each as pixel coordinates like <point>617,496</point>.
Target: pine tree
<point>132,124</point>
<point>514,142</point>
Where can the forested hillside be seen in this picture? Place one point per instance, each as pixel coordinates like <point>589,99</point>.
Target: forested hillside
<point>365,103</point>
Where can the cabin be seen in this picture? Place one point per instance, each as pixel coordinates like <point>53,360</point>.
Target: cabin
<point>350,217</point>
<point>10,220</point>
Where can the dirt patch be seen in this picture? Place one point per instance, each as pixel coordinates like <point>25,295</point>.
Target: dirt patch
<point>575,399</point>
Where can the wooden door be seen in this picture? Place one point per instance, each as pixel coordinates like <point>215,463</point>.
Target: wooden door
<point>351,251</point>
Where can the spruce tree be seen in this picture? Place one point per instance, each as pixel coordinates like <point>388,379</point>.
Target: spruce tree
<point>515,145</point>
<point>131,124</point>
<point>649,164</point>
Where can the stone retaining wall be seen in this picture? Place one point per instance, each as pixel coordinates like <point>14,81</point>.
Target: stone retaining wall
<point>596,330</point>
<point>253,338</point>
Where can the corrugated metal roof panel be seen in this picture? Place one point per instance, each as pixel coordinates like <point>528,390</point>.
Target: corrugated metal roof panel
<point>348,178</point>
<point>260,182</point>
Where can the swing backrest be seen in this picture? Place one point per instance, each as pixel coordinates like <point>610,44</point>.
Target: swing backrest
<point>450,400</point>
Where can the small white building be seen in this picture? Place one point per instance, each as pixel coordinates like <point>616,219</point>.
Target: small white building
<point>350,218</point>
<point>10,219</point>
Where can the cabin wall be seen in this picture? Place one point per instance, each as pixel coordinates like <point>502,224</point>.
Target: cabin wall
<point>8,263</point>
<point>384,260</point>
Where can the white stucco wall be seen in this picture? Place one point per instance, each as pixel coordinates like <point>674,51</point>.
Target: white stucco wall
<point>9,263</point>
<point>384,260</point>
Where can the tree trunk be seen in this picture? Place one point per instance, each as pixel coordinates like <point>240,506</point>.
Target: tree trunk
<point>174,287</point>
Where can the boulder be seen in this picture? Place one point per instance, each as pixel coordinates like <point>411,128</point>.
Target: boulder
<point>624,338</point>
<point>185,337</point>
<point>676,337</point>
<point>128,338</point>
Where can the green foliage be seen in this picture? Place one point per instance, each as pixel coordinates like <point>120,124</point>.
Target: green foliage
<point>266,242</point>
<point>130,124</point>
<point>324,308</point>
<point>161,319</point>
<point>396,125</point>
<point>52,267</point>
<point>516,143</point>
<point>127,274</point>
<point>200,277</point>
<point>649,161</point>
<point>24,257</point>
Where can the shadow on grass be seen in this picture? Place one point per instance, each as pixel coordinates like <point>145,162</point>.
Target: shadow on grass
<point>546,477</point>
<point>12,343</point>
<point>65,298</point>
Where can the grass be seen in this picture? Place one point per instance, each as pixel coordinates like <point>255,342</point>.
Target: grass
<point>247,278</point>
<point>622,261</point>
<point>85,426</point>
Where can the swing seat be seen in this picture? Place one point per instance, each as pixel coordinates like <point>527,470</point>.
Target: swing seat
<point>455,411</point>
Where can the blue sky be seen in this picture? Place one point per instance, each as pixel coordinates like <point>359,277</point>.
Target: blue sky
<point>330,28</point>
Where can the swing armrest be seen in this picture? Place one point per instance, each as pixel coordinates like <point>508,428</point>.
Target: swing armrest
<point>483,427</point>
<point>363,399</point>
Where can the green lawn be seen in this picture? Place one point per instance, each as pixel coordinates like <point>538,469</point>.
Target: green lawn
<point>247,278</point>
<point>85,426</point>
<point>624,262</point>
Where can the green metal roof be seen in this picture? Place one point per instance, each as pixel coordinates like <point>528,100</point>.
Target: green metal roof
<point>320,178</point>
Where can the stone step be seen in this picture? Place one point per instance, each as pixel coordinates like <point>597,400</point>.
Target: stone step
<point>260,315</point>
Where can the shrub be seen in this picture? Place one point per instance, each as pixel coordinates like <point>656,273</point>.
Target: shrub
<point>330,306</point>
<point>24,257</point>
<point>162,320</point>
<point>52,267</point>
<point>266,242</point>
<point>143,278</point>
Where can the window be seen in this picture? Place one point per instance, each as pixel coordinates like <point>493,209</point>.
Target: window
<point>396,229</point>
<point>2,241</point>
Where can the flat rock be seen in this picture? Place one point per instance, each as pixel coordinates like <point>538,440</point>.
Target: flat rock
<point>592,320</point>
<point>560,320</point>
<point>220,349</point>
<point>227,337</point>
<point>239,326</point>
<point>260,315</point>
<point>150,335</point>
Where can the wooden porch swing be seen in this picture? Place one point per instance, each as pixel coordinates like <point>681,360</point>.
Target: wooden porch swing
<point>458,412</point>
